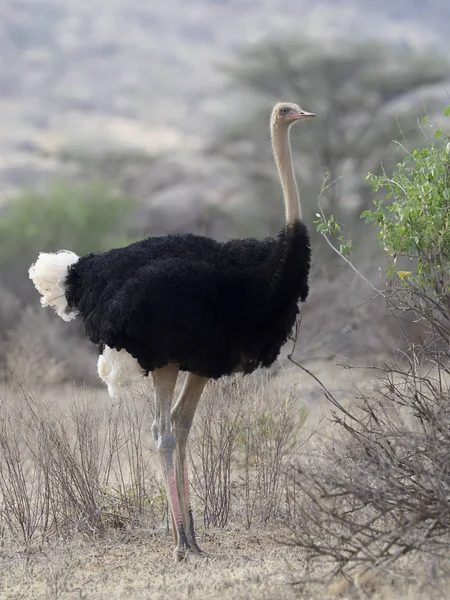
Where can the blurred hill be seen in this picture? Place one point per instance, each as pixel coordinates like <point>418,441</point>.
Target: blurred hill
<point>140,74</point>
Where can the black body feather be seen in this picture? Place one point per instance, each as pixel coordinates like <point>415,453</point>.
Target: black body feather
<point>213,308</point>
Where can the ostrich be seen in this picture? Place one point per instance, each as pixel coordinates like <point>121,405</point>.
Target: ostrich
<point>189,303</point>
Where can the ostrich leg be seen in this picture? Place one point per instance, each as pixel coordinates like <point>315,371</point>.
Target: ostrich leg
<point>164,381</point>
<point>182,416</point>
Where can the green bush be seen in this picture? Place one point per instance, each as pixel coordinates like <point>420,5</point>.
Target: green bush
<point>412,221</point>
<point>414,218</point>
<point>88,217</point>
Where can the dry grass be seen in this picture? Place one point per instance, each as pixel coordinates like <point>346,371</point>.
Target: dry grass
<point>71,461</point>
<point>243,566</point>
<point>83,512</point>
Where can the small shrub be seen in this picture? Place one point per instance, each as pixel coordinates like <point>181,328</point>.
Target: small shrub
<point>413,218</point>
<point>212,446</point>
<point>268,442</point>
<point>245,437</point>
<point>78,468</point>
<point>413,222</point>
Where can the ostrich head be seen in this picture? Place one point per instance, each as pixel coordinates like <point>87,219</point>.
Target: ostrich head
<point>285,114</point>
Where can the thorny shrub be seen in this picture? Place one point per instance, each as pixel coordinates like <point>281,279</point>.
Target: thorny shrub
<point>381,488</point>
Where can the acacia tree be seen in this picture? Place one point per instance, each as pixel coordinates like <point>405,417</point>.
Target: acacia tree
<point>361,92</point>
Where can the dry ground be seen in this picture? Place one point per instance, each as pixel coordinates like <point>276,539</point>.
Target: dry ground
<point>241,565</point>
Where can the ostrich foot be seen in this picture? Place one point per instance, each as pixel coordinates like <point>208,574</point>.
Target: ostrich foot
<point>180,555</point>
<point>189,553</point>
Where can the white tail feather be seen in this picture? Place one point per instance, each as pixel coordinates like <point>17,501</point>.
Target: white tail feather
<point>48,275</point>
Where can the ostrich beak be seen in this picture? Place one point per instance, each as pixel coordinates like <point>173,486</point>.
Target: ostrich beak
<point>301,115</point>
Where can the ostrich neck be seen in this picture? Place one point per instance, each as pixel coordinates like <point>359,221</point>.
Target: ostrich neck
<point>283,158</point>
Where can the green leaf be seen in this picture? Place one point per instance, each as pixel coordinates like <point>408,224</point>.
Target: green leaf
<point>438,134</point>
<point>447,111</point>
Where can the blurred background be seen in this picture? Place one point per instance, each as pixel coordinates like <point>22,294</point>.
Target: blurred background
<point>126,118</point>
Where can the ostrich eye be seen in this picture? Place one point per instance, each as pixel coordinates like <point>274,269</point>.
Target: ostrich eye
<point>284,111</point>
